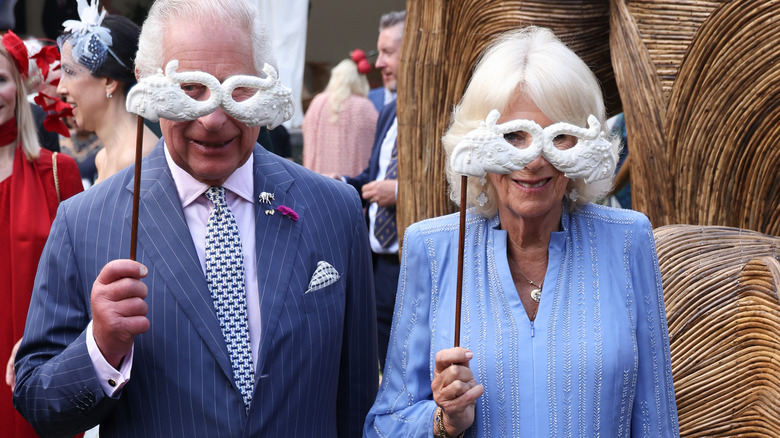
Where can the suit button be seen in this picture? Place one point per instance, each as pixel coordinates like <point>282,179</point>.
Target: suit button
<point>112,383</point>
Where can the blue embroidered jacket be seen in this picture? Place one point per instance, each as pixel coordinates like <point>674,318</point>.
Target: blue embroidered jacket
<point>595,362</point>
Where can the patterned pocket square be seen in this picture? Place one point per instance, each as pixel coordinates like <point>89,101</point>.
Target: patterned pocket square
<point>324,275</point>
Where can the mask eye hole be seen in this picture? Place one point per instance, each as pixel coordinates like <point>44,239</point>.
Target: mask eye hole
<point>196,91</point>
<point>519,139</point>
<point>241,94</point>
<point>564,141</point>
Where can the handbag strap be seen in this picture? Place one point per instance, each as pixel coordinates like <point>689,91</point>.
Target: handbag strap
<point>56,180</point>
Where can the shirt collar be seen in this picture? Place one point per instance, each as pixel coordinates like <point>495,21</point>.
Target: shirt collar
<point>240,182</point>
<point>389,96</point>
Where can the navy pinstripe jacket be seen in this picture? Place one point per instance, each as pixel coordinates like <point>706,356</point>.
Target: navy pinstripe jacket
<point>316,373</point>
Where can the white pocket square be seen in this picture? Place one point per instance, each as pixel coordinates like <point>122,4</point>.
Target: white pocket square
<point>324,275</point>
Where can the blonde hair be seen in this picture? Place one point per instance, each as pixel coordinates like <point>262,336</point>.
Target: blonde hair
<point>28,135</point>
<point>345,80</point>
<point>534,63</point>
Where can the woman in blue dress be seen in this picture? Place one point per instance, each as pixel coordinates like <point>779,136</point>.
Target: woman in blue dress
<point>563,328</point>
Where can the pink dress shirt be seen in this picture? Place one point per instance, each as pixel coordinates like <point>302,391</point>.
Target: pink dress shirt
<point>196,208</point>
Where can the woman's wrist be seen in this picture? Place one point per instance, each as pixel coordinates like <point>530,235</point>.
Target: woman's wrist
<point>439,429</point>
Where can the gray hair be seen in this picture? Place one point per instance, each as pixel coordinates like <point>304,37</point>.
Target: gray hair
<point>241,14</point>
<point>391,19</point>
<point>532,62</point>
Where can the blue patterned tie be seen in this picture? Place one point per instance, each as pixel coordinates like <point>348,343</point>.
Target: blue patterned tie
<point>385,229</point>
<point>225,276</point>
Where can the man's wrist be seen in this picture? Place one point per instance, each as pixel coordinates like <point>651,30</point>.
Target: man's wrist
<point>111,378</point>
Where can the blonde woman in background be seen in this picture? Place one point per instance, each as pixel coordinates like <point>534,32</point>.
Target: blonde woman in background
<point>338,128</point>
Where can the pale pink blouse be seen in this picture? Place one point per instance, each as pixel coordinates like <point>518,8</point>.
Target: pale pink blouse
<point>343,147</point>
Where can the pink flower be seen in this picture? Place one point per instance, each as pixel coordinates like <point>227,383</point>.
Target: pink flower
<point>287,211</point>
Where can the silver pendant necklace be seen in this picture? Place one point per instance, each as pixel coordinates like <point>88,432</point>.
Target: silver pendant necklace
<point>536,294</point>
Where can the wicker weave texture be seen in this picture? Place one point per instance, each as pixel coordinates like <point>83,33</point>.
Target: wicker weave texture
<point>721,291</point>
<point>700,86</point>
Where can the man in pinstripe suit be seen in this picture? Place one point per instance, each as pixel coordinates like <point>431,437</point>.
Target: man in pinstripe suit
<point>95,317</point>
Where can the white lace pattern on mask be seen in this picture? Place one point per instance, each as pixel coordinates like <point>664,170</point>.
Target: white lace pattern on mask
<point>162,96</point>
<point>484,149</point>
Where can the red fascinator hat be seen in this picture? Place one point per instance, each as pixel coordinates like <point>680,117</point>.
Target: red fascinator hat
<point>18,51</point>
<point>55,108</point>
<point>359,57</point>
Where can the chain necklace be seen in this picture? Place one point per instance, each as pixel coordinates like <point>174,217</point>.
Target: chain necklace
<point>536,294</point>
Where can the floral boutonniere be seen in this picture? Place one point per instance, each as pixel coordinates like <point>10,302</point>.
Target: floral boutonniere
<point>268,198</point>
<point>287,211</point>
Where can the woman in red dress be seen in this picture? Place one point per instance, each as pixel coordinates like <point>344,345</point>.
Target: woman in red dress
<point>32,183</point>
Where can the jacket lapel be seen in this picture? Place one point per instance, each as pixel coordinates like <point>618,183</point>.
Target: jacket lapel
<point>165,245</point>
<point>276,244</point>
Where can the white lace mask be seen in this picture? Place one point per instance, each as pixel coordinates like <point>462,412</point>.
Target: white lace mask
<point>183,96</point>
<point>485,149</point>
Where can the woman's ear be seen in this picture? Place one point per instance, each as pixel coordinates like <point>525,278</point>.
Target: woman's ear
<point>112,85</point>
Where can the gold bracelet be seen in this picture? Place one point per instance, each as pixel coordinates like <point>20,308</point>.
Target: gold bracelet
<point>441,432</point>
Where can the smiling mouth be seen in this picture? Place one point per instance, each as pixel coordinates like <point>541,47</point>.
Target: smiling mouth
<point>212,144</point>
<point>534,185</point>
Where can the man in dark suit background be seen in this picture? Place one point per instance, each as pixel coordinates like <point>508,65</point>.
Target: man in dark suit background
<point>387,60</point>
<point>378,183</point>
<point>250,310</point>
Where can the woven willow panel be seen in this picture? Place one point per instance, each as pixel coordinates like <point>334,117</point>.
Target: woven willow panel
<point>442,40</point>
<point>721,291</point>
<point>700,86</point>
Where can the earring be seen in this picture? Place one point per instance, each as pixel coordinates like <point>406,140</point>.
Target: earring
<point>109,95</point>
<point>482,198</point>
<point>573,195</point>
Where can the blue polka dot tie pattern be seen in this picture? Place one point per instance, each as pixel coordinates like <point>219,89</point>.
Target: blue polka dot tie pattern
<point>225,276</point>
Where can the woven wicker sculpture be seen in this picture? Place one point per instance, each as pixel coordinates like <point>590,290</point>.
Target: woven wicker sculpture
<point>700,85</point>
<point>721,290</point>
<point>442,40</point>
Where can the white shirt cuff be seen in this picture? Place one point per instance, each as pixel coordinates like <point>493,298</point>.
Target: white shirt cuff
<point>111,380</point>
